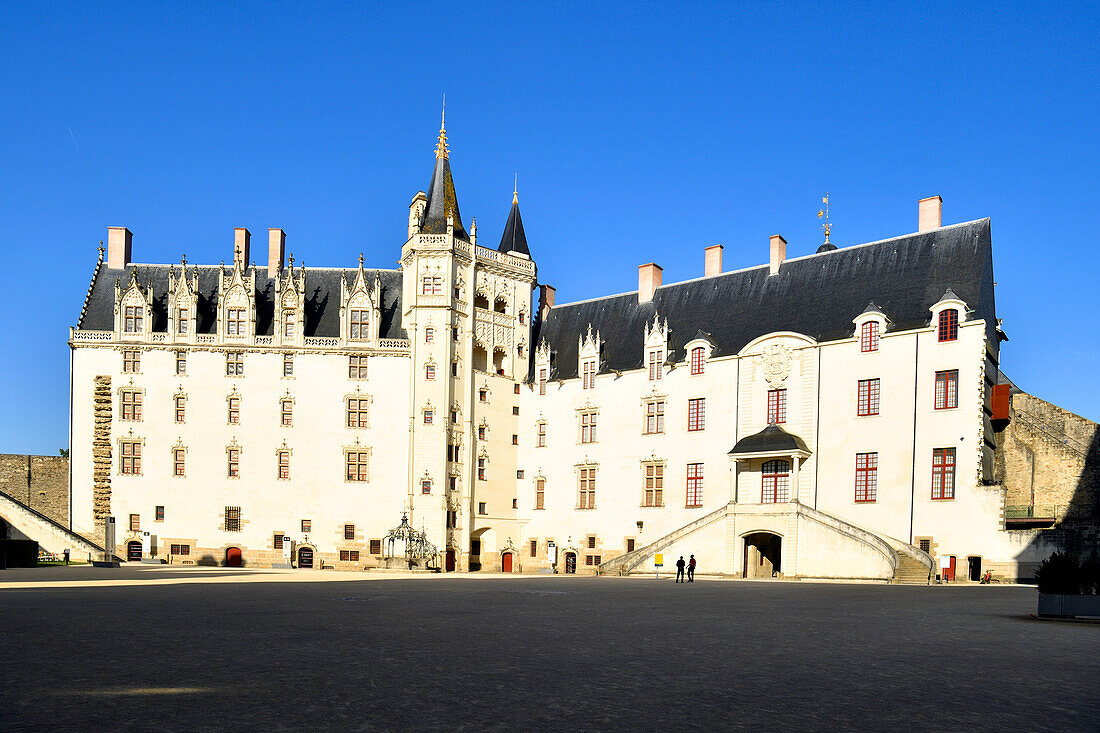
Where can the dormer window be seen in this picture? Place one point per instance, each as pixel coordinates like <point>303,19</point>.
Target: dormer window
<point>697,360</point>
<point>183,320</point>
<point>868,336</point>
<point>289,325</point>
<point>949,325</point>
<point>134,316</point>
<point>588,374</point>
<point>360,322</point>
<point>234,321</point>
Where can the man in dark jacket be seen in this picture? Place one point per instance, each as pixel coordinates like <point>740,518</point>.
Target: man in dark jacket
<point>680,569</point>
<point>691,569</point>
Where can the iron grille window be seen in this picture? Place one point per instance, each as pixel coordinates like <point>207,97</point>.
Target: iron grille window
<point>776,482</point>
<point>696,414</point>
<point>349,531</point>
<point>777,406</point>
<point>376,547</point>
<point>694,485</point>
<point>943,473</point>
<point>277,541</point>
<point>232,519</point>
<point>654,487</point>
<point>697,360</point>
<point>866,477</point>
<point>947,389</point>
<point>349,555</point>
<point>949,325</point>
<point>925,545</point>
<point>867,397</point>
<point>592,542</point>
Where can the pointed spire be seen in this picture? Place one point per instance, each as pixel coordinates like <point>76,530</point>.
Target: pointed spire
<point>442,202</point>
<point>515,190</point>
<point>441,145</point>
<point>514,239</point>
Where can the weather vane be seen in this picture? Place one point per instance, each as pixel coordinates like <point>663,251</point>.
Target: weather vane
<point>827,226</point>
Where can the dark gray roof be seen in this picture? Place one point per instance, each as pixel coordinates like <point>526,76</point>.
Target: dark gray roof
<point>514,240</point>
<point>441,201</point>
<point>817,295</point>
<point>772,439</point>
<point>322,298</point>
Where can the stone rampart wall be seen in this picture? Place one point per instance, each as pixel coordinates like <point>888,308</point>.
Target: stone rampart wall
<point>40,482</point>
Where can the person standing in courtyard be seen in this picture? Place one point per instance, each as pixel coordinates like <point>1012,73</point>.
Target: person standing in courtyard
<point>680,570</point>
<point>691,569</point>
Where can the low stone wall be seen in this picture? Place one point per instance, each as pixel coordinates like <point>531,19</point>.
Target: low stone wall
<point>39,482</point>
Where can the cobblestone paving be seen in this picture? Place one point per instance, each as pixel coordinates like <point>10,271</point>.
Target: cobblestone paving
<point>546,653</point>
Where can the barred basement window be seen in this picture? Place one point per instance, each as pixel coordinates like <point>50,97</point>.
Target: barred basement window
<point>133,319</point>
<point>592,541</point>
<point>131,361</point>
<point>135,522</point>
<point>947,389</point>
<point>183,320</point>
<point>158,513</point>
<point>540,493</point>
<point>181,408</point>
<point>288,365</point>
<point>307,525</point>
<point>697,360</point>
<point>232,519</point>
<point>355,463</point>
<point>286,412</point>
<point>867,397</point>
<point>181,363</point>
<point>277,541</point>
<point>696,414</point>
<point>777,406</point>
<point>868,337</point>
<point>357,367</point>
<point>130,405</point>
<point>180,549</point>
<point>234,364</point>
<point>360,322</point>
<point>866,477</point>
<point>949,325</point>
<point>654,485</point>
<point>130,464</point>
<point>694,485</point>
<point>349,555</point>
<point>534,548</point>
<point>943,473</point>
<point>586,488</point>
<point>654,417</point>
<point>925,545</point>
<point>179,461</point>
<point>234,408</point>
<point>356,412</point>
<point>234,462</point>
<point>349,531</point>
<point>289,326</point>
<point>234,321</point>
<point>283,461</point>
<point>376,547</point>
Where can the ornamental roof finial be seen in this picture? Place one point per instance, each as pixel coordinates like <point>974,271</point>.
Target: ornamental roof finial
<point>515,190</point>
<point>441,146</point>
<point>824,213</point>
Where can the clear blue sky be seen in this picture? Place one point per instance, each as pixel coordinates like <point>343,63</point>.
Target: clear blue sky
<point>640,132</point>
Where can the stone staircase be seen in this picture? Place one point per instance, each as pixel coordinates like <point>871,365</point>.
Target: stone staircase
<point>912,572</point>
<point>623,564</point>
<point>50,535</point>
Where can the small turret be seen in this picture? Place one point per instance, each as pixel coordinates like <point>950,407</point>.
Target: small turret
<point>514,239</point>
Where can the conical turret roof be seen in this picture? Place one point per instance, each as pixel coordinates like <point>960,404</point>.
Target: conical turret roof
<point>514,240</point>
<point>441,194</point>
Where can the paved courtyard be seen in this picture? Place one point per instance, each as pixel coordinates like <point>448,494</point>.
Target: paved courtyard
<point>218,649</point>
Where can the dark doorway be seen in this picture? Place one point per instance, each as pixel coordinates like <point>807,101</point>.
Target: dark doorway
<point>133,552</point>
<point>475,552</point>
<point>763,555</point>
<point>570,562</point>
<point>450,566</point>
<point>506,562</point>
<point>975,568</point>
<point>305,557</point>
<point>233,557</point>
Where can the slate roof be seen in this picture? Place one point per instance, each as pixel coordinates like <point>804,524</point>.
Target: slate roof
<point>817,295</point>
<point>441,201</point>
<point>514,240</point>
<point>772,439</point>
<point>322,317</point>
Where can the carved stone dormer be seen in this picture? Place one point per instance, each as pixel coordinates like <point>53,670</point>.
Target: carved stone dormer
<point>360,310</point>
<point>290,305</point>
<point>237,304</point>
<point>183,304</point>
<point>655,339</point>
<point>133,310</point>
<point>588,350</point>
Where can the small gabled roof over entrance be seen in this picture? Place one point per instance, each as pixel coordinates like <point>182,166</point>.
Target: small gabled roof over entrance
<point>772,439</point>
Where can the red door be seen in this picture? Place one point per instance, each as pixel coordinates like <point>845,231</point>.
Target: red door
<point>506,563</point>
<point>950,572</point>
<point>233,557</point>
<point>450,561</point>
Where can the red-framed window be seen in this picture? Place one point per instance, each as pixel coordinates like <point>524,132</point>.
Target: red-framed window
<point>697,360</point>
<point>867,397</point>
<point>776,482</point>
<point>654,490</point>
<point>696,413</point>
<point>588,369</point>
<point>868,336</point>
<point>866,477</point>
<point>586,498</point>
<point>949,325</point>
<point>943,473</point>
<point>694,485</point>
<point>777,406</point>
<point>947,389</point>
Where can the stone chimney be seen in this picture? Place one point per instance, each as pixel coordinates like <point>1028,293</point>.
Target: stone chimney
<point>546,300</point>
<point>712,264</point>
<point>649,279</point>
<point>119,240</point>
<point>240,246</point>
<point>276,247</point>
<point>929,214</point>
<point>778,253</point>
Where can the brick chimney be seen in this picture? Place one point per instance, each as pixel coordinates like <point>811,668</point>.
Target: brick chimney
<point>118,247</point>
<point>778,253</point>
<point>929,214</point>
<point>712,264</point>
<point>546,300</point>
<point>276,246</point>
<point>240,246</point>
<point>649,279</point>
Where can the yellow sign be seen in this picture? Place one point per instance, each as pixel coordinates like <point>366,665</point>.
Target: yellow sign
<point>659,559</point>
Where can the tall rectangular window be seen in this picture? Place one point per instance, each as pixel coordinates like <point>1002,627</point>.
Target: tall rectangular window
<point>425,486</point>
<point>696,413</point>
<point>480,469</point>
<point>534,548</point>
<point>866,477</point>
<point>290,325</point>
<point>181,362</point>
<point>540,493</point>
<point>949,325</point>
<point>234,409</point>
<point>867,397</point>
<point>656,356</point>
<point>130,459</point>
<point>234,321</point>
<point>357,412</point>
<point>360,325</point>
<point>135,522</point>
<point>133,319</point>
<point>179,461</point>
<point>158,513</point>
<point>232,519</point>
<point>694,485</point>
<point>234,364</point>
<point>429,371</point>
<point>181,408</point>
<point>777,406</point>
<point>588,370</point>
<point>357,367</point>
<point>183,321</point>
<point>654,488</point>
<point>283,461</point>
<point>429,417</point>
<point>131,361</point>
<point>943,473</point>
<point>655,417</point>
<point>233,459</point>
<point>588,427</point>
<point>355,463</point>
<point>540,437</point>
<point>586,497</point>
<point>542,381</point>
<point>286,411</point>
<point>349,531</point>
<point>947,389</point>
<point>130,405</point>
<point>277,541</point>
<point>429,335</point>
<point>288,365</point>
<point>697,360</point>
<point>868,336</point>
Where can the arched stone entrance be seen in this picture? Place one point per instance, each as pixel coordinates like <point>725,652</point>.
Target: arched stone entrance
<point>506,562</point>
<point>570,563</point>
<point>233,557</point>
<point>305,557</point>
<point>763,555</point>
<point>133,551</point>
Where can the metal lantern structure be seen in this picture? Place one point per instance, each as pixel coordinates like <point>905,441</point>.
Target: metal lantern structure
<point>412,544</point>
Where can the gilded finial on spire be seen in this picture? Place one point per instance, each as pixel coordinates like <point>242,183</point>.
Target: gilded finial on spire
<point>515,190</point>
<point>441,146</point>
<point>824,213</point>
<point>360,260</point>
